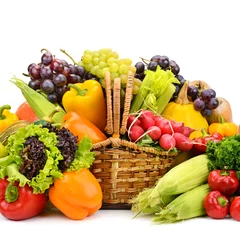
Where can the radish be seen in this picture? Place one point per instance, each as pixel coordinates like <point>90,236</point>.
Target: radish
<point>167,142</point>
<point>187,131</point>
<point>177,126</point>
<point>132,121</point>
<point>164,125</point>
<point>135,133</point>
<point>158,119</point>
<point>154,133</point>
<point>183,143</point>
<point>148,113</point>
<point>146,122</point>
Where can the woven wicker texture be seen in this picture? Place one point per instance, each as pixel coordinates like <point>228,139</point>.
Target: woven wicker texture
<point>123,168</point>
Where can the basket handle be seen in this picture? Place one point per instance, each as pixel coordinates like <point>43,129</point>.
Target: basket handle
<point>118,142</point>
<point>116,107</point>
<point>108,91</point>
<point>127,102</point>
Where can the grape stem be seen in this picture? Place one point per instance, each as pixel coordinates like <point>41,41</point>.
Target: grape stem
<point>44,49</point>
<point>25,74</point>
<point>146,61</point>
<point>63,51</point>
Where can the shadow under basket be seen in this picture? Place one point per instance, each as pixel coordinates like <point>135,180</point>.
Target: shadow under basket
<point>123,168</point>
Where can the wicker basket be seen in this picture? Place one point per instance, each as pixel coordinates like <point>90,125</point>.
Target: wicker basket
<point>123,168</point>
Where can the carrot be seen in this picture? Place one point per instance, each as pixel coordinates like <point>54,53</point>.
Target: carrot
<point>25,112</point>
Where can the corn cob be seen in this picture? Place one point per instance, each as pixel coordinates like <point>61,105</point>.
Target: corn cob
<point>187,205</point>
<point>141,204</point>
<point>180,179</point>
<point>43,108</point>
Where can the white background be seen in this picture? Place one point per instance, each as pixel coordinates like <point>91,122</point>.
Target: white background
<point>201,36</point>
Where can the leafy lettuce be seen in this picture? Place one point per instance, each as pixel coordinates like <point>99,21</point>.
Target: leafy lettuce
<point>15,145</point>
<point>84,157</point>
<point>10,165</point>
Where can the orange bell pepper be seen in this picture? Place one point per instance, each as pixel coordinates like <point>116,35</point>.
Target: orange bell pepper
<point>77,195</point>
<point>87,99</point>
<point>81,126</point>
<point>224,128</point>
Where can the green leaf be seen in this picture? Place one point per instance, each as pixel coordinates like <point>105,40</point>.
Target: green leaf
<point>48,174</point>
<point>84,156</point>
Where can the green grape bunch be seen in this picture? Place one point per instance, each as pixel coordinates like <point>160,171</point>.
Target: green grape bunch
<point>105,59</point>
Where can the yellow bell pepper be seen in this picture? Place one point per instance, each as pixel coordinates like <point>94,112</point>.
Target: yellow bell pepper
<point>196,134</point>
<point>87,100</point>
<point>6,117</point>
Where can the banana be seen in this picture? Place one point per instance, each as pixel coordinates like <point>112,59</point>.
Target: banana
<point>11,130</point>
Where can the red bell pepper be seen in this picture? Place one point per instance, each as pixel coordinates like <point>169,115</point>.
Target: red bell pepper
<point>19,203</point>
<point>216,205</point>
<point>235,208</point>
<point>225,181</point>
<point>200,143</point>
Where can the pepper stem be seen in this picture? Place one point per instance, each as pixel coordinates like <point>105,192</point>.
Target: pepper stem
<point>222,201</point>
<point>222,120</point>
<point>81,92</point>
<point>11,193</point>
<point>2,108</point>
<point>204,132</point>
<point>224,173</point>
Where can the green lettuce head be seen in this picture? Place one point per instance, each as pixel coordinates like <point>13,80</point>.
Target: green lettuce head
<point>42,145</point>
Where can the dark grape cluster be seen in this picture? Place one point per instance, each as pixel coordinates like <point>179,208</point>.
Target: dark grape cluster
<point>52,76</point>
<point>166,64</point>
<point>204,101</point>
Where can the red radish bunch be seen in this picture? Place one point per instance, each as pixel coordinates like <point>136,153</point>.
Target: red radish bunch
<point>169,134</point>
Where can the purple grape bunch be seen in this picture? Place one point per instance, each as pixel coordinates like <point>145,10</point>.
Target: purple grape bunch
<point>52,76</point>
<point>204,101</point>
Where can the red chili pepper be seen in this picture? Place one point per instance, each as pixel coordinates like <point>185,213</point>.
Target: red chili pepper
<point>235,208</point>
<point>216,205</point>
<point>200,144</point>
<point>225,181</point>
<point>19,203</point>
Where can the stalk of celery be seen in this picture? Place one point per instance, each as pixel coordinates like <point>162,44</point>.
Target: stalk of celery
<point>154,87</point>
<point>41,106</point>
<point>164,99</point>
<point>150,102</point>
<point>142,93</point>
